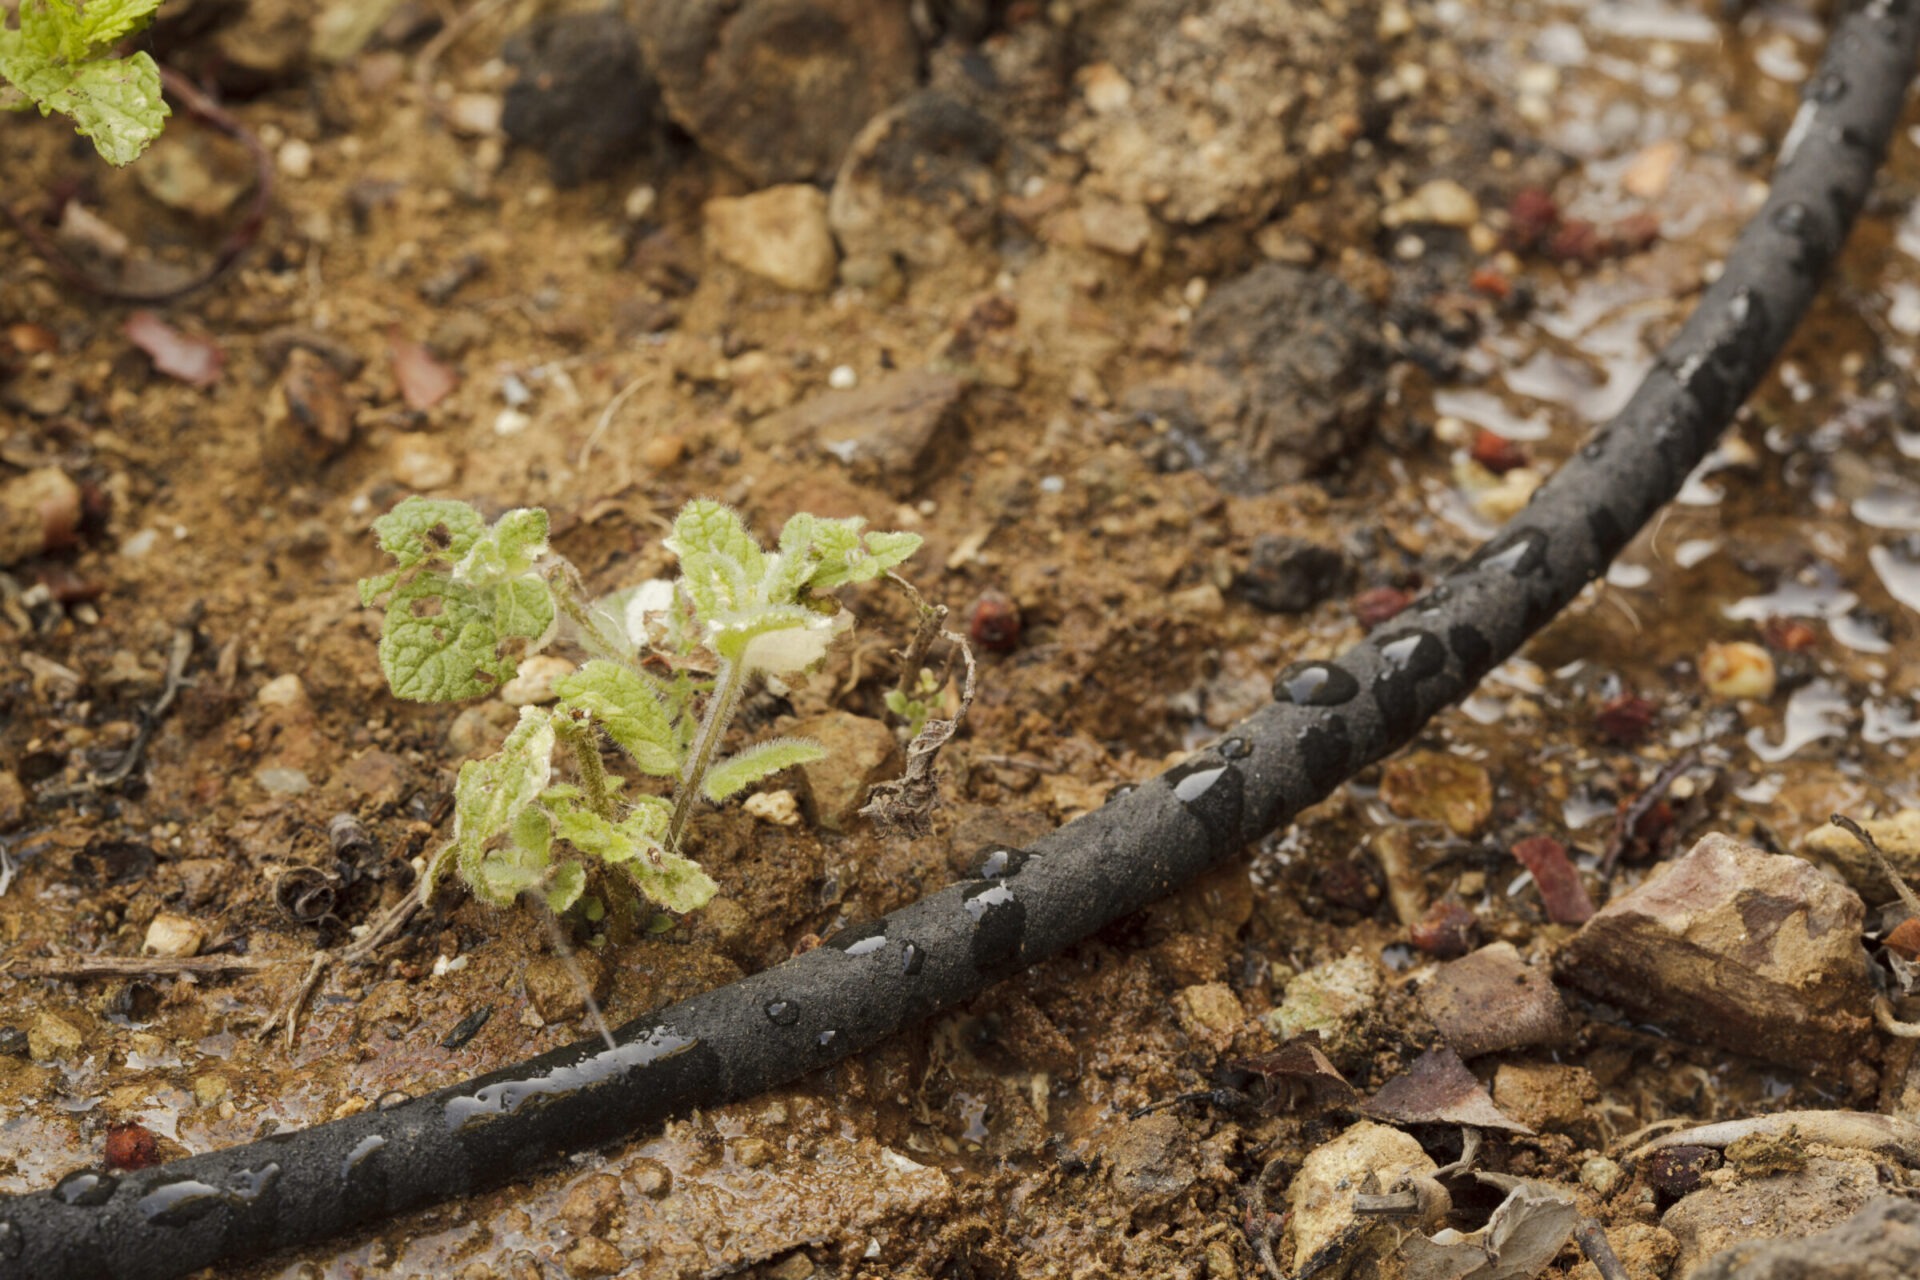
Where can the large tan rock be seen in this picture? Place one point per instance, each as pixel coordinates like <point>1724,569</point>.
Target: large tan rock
<point>1731,946</point>
<point>1736,1210</point>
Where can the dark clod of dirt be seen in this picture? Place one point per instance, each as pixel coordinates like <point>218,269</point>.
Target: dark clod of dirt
<point>917,185</point>
<point>1676,1171</point>
<point>779,88</point>
<point>1881,1242</point>
<point>1302,351</point>
<point>1492,1000</point>
<point>1289,575</point>
<point>583,99</point>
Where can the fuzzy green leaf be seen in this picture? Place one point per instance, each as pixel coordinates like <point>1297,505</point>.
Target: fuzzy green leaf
<point>98,22</point>
<point>422,531</point>
<point>439,645</point>
<point>506,551</point>
<point>863,560</point>
<point>490,799</point>
<point>565,884</point>
<point>757,762</point>
<point>498,876</point>
<point>629,705</point>
<point>674,882</point>
<point>708,527</point>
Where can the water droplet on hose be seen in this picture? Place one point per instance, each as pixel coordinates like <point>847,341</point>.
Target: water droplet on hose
<point>1323,755</point>
<point>1471,646</point>
<point>361,1150</point>
<point>392,1098</point>
<point>1315,684</point>
<point>1122,789</point>
<point>1415,655</point>
<point>13,1241</point>
<point>1000,926</point>
<point>84,1186</point>
<point>826,1038</point>
<point>1518,552</point>
<point>860,939</point>
<point>1828,87</point>
<point>1001,862</point>
<point>247,1184</point>
<point>783,1013</point>
<point>1792,218</point>
<point>175,1204</point>
<point>1235,748</point>
<point>912,959</point>
<point>1191,782</point>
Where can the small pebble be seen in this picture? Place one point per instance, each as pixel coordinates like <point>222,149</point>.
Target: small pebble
<point>752,1152</point>
<point>53,1039</point>
<point>421,465</point>
<point>1740,669</point>
<point>591,1257</point>
<point>843,378</point>
<point>663,452</point>
<point>776,807</point>
<point>175,935</point>
<point>650,1178</point>
<point>283,782</point>
<point>282,691</point>
<point>533,685</point>
<point>1600,1175</point>
<point>294,159</point>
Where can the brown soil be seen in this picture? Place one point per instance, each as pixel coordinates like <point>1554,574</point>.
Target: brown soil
<point>609,369</point>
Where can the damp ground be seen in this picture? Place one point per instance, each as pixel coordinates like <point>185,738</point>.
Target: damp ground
<point>1192,397</point>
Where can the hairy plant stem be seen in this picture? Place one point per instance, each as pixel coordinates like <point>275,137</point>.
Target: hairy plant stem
<point>729,686</point>
<point>585,750</point>
<point>570,596</point>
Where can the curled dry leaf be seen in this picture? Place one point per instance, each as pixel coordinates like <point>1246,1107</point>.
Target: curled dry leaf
<point>1439,1089</point>
<point>1518,1242</point>
<point>187,357</point>
<point>1559,884</point>
<point>1299,1065</point>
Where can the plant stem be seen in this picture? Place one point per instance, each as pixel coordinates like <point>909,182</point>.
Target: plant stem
<point>569,593</point>
<point>586,761</point>
<point>728,686</point>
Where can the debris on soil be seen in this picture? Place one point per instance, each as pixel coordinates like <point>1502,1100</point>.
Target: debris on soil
<point>581,96</point>
<point>1526,1230</point>
<point>1337,1000</point>
<point>1329,1236</point>
<point>1897,834</point>
<point>1879,1242</point>
<point>860,752</point>
<point>1435,786</point>
<point>1289,575</point>
<point>187,357</point>
<point>1492,1001</point>
<point>1754,952</point>
<point>1732,1209</point>
<point>1438,1089</point>
<point>779,234</point>
<point>40,511</point>
<point>1553,873</point>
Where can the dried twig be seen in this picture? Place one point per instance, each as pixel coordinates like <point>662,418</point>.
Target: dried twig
<point>1866,1130</point>
<point>1262,1227</point>
<point>1629,820</point>
<point>1593,1243</point>
<point>1860,833</point>
<point>906,802</point>
<point>1883,1017</point>
<point>382,930</point>
<point>139,966</point>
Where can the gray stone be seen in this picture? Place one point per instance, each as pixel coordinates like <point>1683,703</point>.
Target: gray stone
<point>583,99</point>
<point>1880,1242</point>
<point>1289,575</point>
<point>917,185</point>
<point>1492,1000</point>
<point>892,430</point>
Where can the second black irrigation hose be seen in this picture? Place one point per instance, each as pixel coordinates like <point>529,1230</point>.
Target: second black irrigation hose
<point>1327,721</point>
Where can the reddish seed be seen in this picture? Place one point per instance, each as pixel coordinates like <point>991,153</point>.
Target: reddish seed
<point>1633,233</point>
<point>131,1146</point>
<point>1532,215</point>
<point>994,623</point>
<point>1904,941</point>
<point>1788,635</point>
<point>1446,931</point>
<point>1378,605</point>
<point>1497,453</point>
<point>1492,283</point>
<point>1349,883</point>
<point>1577,240</point>
<point>1625,718</point>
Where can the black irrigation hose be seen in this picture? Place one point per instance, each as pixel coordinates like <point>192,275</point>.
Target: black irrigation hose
<point>1327,721</point>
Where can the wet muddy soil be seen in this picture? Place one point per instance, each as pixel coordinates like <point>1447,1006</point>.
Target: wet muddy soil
<point>1193,337</point>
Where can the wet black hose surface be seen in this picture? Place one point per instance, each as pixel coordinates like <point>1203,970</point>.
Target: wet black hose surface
<point>1326,722</point>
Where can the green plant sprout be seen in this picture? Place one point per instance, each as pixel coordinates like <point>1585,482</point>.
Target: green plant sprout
<point>467,602</point>
<point>914,703</point>
<point>60,58</point>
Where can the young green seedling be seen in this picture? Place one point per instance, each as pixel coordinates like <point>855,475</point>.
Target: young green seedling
<point>466,602</point>
<point>60,58</point>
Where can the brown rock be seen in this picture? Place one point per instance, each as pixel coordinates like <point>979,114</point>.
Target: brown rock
<point>860,752</point>
<point>1550,1097</point>
<point>778,88</point>
<point>554,988</point>
<point>1153,1159</point>
<point>1730,946</point>
<point>591,1204</point>
<point>13,801</point>
<point>1880,1242</point>
<point>891,430</point>
<point>917,186</point>
<point>39,511</point>
<point>779,234</point>
<point>1209,1013</point>
<point>309,418</point>
<point>591,1257</point>
<point>1433,786</point>
<point>1493,1000</point>
<point>1786,1206</point>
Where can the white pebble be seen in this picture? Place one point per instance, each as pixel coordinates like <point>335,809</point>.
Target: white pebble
<point>843,378</point>
<point>776,807</point>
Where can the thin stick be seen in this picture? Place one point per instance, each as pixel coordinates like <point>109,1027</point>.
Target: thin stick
<point>1629,821</point>
<point>177,656</point>
<point>140,966</point>
<point>1858,832</point>
<point>1593,1243</point>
